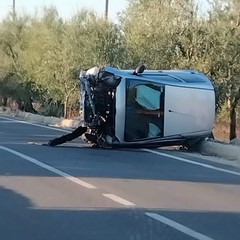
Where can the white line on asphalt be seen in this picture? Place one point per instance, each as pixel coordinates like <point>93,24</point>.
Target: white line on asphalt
<point>13,143</point>
<point>52,128</point>
<point>193,162</point>
<point>38,125</point>
<point>7,121</point>
<point>178,226</point>
<point>50,168</point>
<point>119,199</point>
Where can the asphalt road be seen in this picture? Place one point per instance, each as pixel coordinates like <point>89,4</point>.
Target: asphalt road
<point>75,192</point>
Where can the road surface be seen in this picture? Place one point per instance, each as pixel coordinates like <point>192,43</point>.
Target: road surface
<point>75,192</point>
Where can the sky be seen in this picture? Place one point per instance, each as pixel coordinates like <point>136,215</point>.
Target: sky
<point>66,8</point>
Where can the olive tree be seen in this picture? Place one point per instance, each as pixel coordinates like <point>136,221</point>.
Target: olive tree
<point>13,82</point>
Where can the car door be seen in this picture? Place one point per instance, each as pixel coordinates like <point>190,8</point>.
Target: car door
<point>188,110</point>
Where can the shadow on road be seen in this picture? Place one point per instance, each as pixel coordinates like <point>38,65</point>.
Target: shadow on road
<point>20,219</point>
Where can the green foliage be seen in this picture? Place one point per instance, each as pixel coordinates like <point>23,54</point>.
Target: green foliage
<point>40,57</point>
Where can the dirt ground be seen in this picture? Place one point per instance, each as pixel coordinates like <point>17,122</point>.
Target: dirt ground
<point>221,130</point>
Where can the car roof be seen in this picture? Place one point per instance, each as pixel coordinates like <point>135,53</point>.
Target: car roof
<point>176,77</point>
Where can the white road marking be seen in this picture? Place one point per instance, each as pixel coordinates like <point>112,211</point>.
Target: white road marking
<point>67,176</point>
<point>178,226</point>
<point>120,200</point>
<point>50,168</point>
<point>7,121</point>
<point>193,162</point>
<point>38,125</point>
<point>13,143</point>
<point>52,128</point>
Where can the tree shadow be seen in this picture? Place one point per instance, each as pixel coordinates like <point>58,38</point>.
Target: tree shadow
<point>20,219</point>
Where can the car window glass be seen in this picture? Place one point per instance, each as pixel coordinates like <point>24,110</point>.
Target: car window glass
<point>148,97</point>
<point>144,114</point>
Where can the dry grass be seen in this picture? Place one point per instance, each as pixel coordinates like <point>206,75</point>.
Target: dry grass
<point>221,130</point>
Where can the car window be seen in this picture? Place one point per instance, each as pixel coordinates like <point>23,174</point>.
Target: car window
<point>148,97</point>
<point>144,111</point>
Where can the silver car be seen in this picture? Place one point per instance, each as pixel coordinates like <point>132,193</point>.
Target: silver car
<point>127,108</point>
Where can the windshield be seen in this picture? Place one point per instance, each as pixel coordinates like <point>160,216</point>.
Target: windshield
<point>144,110</point>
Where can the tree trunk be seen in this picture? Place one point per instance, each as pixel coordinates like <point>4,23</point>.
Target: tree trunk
<point>233,119</point>
<point>5,102</point>
<point>65,113</point>
<point>19,103</point>
<point>28,107</point>
<point>233,103</point>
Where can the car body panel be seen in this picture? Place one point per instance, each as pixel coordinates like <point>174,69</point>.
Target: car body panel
<point>159,107</point>
<point>187,110</point>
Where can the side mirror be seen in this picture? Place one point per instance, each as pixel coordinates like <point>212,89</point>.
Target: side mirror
<point>139,70</point>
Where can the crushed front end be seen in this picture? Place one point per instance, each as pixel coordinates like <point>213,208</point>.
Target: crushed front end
<point>97,105</point>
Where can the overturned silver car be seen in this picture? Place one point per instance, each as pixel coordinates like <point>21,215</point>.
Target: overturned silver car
<point>126,108</point>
